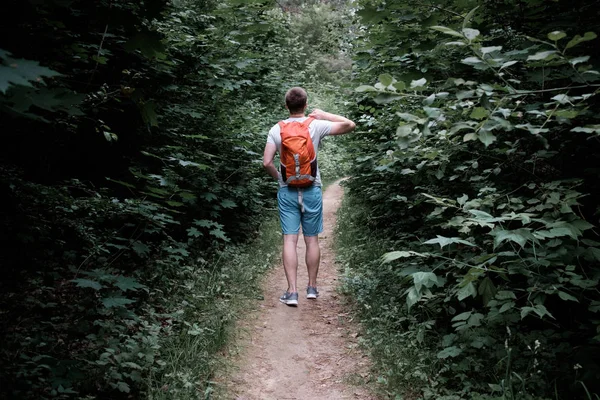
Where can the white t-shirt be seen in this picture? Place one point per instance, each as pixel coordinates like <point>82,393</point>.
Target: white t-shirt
<point>318,129</point>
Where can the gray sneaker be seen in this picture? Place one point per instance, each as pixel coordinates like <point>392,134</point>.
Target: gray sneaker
<point>291,299</point>
<point>312,292</point>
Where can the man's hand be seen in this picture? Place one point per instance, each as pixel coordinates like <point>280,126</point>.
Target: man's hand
<point>268,156</point>
<point>319,114</point>
<point>340,124</point>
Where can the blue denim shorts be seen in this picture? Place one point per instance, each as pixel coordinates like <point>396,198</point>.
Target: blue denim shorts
<point>301,206</point>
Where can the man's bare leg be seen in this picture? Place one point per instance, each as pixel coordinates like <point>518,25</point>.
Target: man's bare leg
<point>290,261</point>
<point>313,258</point>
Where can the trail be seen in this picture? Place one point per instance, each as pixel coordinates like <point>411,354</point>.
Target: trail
<point>305,352</point>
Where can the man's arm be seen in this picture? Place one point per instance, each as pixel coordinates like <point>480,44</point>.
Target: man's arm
<point>340,124</point>
<point>268,157</point>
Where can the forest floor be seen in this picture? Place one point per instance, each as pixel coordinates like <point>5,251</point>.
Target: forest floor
<point>305,352</point>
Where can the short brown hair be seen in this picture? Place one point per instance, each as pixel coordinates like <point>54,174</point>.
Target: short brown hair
<point>295,99</point>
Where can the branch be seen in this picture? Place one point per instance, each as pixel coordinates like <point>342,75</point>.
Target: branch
<point>280,6</point>
<point>522,92</point>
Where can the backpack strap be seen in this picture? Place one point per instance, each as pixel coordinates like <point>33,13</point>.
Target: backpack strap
<point>308,121</point>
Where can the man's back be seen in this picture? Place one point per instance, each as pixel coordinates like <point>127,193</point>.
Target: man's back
<point>318,129</point>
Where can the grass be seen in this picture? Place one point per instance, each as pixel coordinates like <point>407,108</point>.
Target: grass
<point>213,302</point>
<point>359,250</point>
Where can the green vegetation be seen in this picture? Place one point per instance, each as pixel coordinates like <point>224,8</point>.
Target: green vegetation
<point>134,195</point>
<point>132,179</point>
<point>469,238</point>
<point>210,299</point>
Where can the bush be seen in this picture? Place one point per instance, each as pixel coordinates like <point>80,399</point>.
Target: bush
<point>477,173</point>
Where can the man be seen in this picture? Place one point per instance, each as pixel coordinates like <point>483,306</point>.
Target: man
<point>301,206</point>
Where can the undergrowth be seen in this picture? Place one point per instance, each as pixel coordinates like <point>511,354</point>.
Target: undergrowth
<point>395,362</point>
<point>204,309</point>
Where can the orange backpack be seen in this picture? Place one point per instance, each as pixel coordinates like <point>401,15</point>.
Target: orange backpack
<point>298,157</point>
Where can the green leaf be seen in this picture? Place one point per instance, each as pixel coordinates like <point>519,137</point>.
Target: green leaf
<point>132,365</point>
<point>404,130</point>
<point>386,79</point>
<point>457,43</point>
<point>465,94</point>
<point>487,290</point>
<point>462,316</point>
<point>394,255</point>
<point>365,88</point>
<point>112,302</point>
<point>506,306</point>
<point>140,248</point>
<point>399,85</point>
<point>219,234</point>
<point>580,39</point>
<point>469,17</point>
<point>483,216</point>
<point>556,35</point>
<point>123,387</point>
<point>539,309</point>
<point>204,223</point>
<point>412,297</point>
<point>470,33</point>
<point>491,49</point>
<point>562,229</point>
<point>466,291</point>
<point>427,279</point>
<point>128,284</point>
<point>87,283</point>
<point>506,295</point>
<point>449,352</point>
<point>228,204</point>
<point>127,185</point>
<point>21,72</point>
<point>447,31</point>
<point>532,129</point>
<point>411,118</point>
<point>472,61</point>
<point>370,14</point>
<point>209,196</point>
<point>519,236</point>
<point>594,253</point>
<point>475,319</point>
<point>193,232</point>
<point>567,297</point>
<point>486,137</point>
<point>469,136</point>
<point>385,98</point>
<point>479,113</point>
<point>508,64</point>
<point>148,111</point>
<point>587,129</point>
<point>578,60</point>
<point>444,241</point>
<point>418,83</point>
<point>495,387</point>
<point>543,55</point>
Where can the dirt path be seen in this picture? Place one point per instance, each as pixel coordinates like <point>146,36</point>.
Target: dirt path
<point>308,352</point>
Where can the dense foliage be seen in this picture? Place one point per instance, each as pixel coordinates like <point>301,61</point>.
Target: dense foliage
<point>476,173</point>
<point>131,170</point>
<point>131,179</point>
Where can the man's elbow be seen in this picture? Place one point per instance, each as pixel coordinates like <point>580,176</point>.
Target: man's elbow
<point>267,164</point>
<point>349,126</point>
